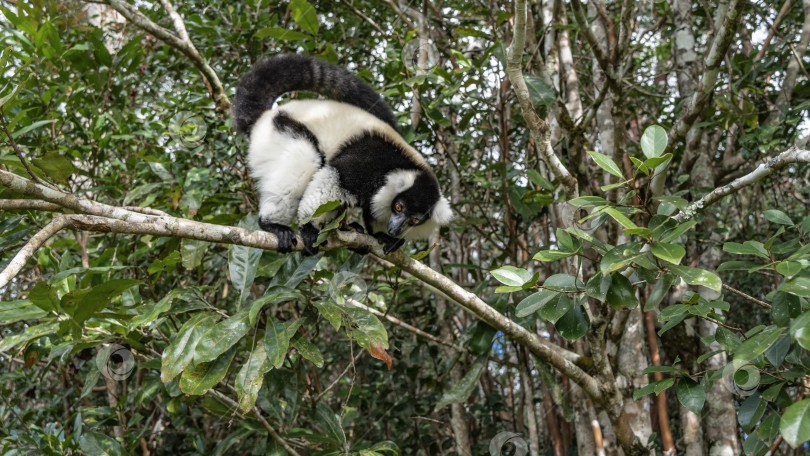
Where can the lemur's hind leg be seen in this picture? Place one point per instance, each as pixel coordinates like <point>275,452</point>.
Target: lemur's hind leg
<point>283,161</point>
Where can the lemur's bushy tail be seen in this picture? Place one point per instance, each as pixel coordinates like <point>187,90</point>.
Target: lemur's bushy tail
<point>273,77</point>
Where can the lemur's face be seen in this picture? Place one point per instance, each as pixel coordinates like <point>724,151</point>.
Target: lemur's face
<point>406,214</point>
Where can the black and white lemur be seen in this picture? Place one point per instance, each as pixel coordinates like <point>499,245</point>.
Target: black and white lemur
<point>308,152</point>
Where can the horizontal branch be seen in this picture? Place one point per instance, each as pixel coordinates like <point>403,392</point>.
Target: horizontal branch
<point>792,155</point>
<point>110,219</point>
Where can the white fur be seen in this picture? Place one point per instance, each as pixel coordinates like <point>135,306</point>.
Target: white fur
<point>324,187</point>
<point>283,167</point>
<point>395,183</point>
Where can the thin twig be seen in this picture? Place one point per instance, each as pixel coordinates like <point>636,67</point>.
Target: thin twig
<point>256,413</point>
<point>792,155</point>
<point>16,148</point>
<point>750,298</point>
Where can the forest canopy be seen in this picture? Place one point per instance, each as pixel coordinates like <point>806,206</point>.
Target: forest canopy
<point>627,271</point>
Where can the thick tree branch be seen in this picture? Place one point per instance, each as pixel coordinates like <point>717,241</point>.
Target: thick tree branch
<point>110,219</point>
<point>181,43</point>
<point>792,155</point>
<point>714,58</point>
<point>538,127</point>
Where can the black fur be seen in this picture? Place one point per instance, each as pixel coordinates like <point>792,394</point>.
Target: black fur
<point>364,163</point>
<point>284,234</point>
<point>273,77</point>
<point>310,235</point>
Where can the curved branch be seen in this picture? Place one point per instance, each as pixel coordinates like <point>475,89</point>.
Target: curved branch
<point>792,155</point>
<point>15,266</point>
<point>537,127</point>
<point>181,43</point>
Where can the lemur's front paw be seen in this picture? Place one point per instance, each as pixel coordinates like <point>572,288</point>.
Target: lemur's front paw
<point>310,236</point>
<point>284,234</point>
<point>389,243</point>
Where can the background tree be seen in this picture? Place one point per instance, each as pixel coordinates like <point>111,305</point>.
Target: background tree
<point>631,186</point>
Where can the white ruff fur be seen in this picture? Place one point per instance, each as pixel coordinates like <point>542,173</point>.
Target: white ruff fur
<point>397,182</point>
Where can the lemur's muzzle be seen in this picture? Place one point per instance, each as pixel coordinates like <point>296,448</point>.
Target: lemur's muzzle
<point>397,224</point>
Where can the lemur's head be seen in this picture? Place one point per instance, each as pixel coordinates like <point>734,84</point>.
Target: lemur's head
<point>410,205</point>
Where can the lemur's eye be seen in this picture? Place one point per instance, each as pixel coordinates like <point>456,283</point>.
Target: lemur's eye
<point>415,221</point>
<point>398,207</point>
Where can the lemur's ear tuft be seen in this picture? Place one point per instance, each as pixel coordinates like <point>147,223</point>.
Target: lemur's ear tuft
<point>442,214</point>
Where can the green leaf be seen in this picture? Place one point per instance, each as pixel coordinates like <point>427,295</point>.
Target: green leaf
<point>756,345</point>
<point>777,216</point>
<point>619,217</point>
<point>221,337</point>
<point>678,231</point>
<point>785,307</point>
<point>281,34</point>
<point>95,444</point>
<point>243,262</point>
<point>659,291</point>
<point>657,162</point>
<point>551,255</point>
<point>751,411</point>
<point>304,15</point>
<point>606,163</point>
<point>251,376</point>
<point>621,293</point>
<point>795,423</point>
<point>695,276</point>
<point>574,324</point>
<point>180,351</point>
<point>555,309</point>
<point>462,390</point>
<point>539,91</point>
<point>747,248</point>
<point>192,252</point>
<point>330,423</point>
<point>55,166</point>
<point>654,141</point>
<point>82,304</point>
<point>203,376</point>
<point>308,350</point>
<point>798,285</point>
<point>597,286</point>
<point>276,341</point>
<point>788,268</point>
<point>12,311</point>
<point>511,276</point>
<point>690,394</point>
<point>534,302</point>
<point>669,252</point>
<point>588,201</point>
<point>800,330</point>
